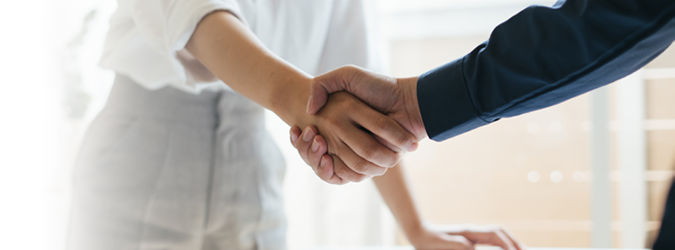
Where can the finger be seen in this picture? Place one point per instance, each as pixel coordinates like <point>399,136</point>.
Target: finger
<point>512,238</point>
<point>319,158</point>
<point>345,173</point>
<point>357,163</point>
<point>313,146</point>
<point>327,174</point>
<point>328,83</point>
<point>317,97</point>
<point>295,134</point>
<point>312,149</point>
<point>385,127</point>
<point>386,143</point>
<point>497,238</point>
<point>506,241</point>
<point>368,148</point>
<point>457,242</point>
<point>303,144</point>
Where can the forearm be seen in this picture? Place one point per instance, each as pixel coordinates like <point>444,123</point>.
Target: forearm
<point>394,189</point>
<point>234,54</point>
<point>543,56</point>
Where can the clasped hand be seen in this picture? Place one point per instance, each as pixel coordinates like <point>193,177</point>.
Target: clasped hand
<point>379,143</point>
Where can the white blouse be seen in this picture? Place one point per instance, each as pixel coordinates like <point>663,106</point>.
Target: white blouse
<point>147,38</point>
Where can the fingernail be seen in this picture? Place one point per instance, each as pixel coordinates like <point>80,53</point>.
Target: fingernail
<point>323,161</point>
<point>315,146</point>
<point>308,103</point>
<point>413,147</point>
<point>294,137</point>
<point>308,134</point>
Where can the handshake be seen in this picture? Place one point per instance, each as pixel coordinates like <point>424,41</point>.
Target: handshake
<point>363,122</point>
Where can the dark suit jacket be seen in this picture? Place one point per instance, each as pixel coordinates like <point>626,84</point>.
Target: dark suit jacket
<point>543,56</point>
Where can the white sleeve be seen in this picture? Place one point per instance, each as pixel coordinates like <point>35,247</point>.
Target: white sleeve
<point>168,24</point>
<point>165,26</point>
<point>351,37</point>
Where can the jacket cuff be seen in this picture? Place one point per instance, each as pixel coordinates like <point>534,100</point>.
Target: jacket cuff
<point>445,103</point>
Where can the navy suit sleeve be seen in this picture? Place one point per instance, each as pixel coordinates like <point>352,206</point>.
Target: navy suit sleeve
<point>543,56</point>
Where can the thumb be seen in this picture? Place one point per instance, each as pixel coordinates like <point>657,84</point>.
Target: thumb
<point>331,82</point>
<point>318,96</point>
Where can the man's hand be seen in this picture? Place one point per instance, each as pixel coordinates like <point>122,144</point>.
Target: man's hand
<point>355,154</point>
<point>396,98</point>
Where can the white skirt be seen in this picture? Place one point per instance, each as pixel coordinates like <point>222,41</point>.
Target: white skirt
<point>166,169</point>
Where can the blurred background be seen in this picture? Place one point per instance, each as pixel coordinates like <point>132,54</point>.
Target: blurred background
<point>593,171</point>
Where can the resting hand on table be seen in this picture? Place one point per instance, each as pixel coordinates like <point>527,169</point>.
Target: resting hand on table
<point>395,192</point>
<point>462,237</point>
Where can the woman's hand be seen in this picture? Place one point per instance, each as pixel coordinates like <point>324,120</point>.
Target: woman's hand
<point>396,98</point>
<point>312,148</point>
<point>346,124</point>
<point>426,238</point>
<point>461,237</point>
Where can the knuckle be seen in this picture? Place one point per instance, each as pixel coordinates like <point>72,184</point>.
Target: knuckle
<point>349,67</point>
<point>316,82</point>
<point>360,167</point>
<point>349,104</point>
<point>372,154</point>
<point>342,173</point>
<point>391,158</point>
<point>382,123</point>
<point>333,124</point>
<point>334,148</point>
<point>405,139</point>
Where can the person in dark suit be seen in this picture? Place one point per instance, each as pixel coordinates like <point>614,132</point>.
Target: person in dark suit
<point>666,238</point>
<point>540,57</point>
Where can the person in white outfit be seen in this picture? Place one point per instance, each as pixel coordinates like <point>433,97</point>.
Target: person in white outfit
<point>179,158</point>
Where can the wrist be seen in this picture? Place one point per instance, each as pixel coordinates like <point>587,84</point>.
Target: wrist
<point>413,228</point>
<point>412,107</point>
<point>289,100</point>
<point>416,232</point>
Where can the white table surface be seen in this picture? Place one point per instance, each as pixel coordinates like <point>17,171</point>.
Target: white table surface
<point>477,248</point>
